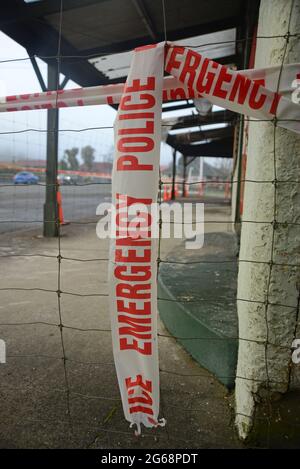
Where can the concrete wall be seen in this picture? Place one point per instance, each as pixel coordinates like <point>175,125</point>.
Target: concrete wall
<point>261,282</point>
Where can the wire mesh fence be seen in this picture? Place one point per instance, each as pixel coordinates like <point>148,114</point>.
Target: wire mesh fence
<point>59,368</point>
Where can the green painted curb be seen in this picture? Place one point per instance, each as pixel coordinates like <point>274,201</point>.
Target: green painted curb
<point>213,351</point>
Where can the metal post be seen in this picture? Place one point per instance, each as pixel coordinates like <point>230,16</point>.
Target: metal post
<point>50,207</point>
<point>184,176</point>
<point>173,195</point>
<point>237,216</point>
<point>249,31</point>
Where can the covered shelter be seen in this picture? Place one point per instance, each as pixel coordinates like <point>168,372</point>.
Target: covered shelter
<point>87,42</point>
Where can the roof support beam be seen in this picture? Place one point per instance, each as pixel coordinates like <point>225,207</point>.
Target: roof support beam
<point>146,18</point>
<point>220,148</point>
<point>189,161</point>
<point>201,135</point>
<point>64,82</point>
<point>38,73</point>
<point>177,107</point>
<point>217,117</point>
<point>40,76</point>
<point>42,40</point>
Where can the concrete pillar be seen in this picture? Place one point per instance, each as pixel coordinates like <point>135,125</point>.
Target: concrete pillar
<point>260,366</point>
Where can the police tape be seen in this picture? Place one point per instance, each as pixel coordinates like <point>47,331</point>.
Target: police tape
<point>231,89</point>
<point>261,94</point>
<point>133,255</point>
<point>193,77</point>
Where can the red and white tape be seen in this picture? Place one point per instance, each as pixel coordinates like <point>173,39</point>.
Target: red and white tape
<point>132,266</point>
<point>251,92</point>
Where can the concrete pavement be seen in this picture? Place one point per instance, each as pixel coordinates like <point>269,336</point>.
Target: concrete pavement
<point>33,385</point>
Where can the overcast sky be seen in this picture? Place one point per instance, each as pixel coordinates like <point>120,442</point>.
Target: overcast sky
<point>18,77</point>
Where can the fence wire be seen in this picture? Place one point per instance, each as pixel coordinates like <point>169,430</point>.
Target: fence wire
<point>61,325</point>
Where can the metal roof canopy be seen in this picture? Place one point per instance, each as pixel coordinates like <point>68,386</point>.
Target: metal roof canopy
<point>98,35</point>
<point>214,136</point>
<point>93,28</point>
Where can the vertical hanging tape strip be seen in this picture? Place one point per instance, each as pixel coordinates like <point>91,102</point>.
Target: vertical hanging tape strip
<point>132,266</point>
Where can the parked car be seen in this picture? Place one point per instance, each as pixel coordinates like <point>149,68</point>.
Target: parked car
<point>25,177</point>
<point>66,179</point>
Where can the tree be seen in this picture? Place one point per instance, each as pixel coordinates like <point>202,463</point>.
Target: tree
<point>63,164</point>
<point>71,156</point>
<point>87,154</point>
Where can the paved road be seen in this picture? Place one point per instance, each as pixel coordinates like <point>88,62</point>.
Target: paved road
<point>22,206</point>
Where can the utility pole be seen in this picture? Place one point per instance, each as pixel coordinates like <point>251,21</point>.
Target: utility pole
<point>50,229</point>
